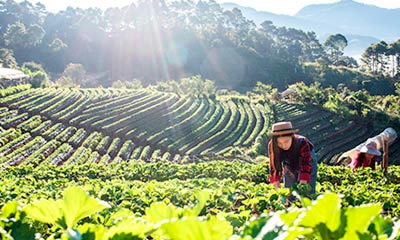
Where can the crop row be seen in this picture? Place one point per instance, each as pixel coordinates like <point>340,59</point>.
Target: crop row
<point>169,125</point>
<point>330,134</point>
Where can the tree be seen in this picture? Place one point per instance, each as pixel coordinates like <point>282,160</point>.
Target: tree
<point>18,36</point>
<point>374,58</point>
<point>397,85</point>
<point>197,87</point>
<point>135,84</point>
<point>15,36</point>
<point>118,84</point>
<point>33,67</point>
<point>66,81</point>
<point>268,93</point>
<point>393,52</point>
<point>7,59</point>
<point>74,73</point>
<point>334,46</point>
<point>39,79</point>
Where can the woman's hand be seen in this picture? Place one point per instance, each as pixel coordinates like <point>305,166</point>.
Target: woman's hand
<point>276,184</point>
<point>303,182</point>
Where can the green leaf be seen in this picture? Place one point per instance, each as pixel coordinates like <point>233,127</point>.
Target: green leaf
<point>91,232</point>
<point>119,215</point>
<point>193,228</point>
<point>294,232</point>
<point>381,226</point>
<point>77,204</point>
<point>130,228</point>
<point>47,211</point>
<point>9,209</point>
<point>359,218</point>
<point>289,217</point>
<point>202,198</point>
<point>326,209</point>
<point>20,230</point>
<point>160,211</point>
<point>272,228</point>
<point>66,213</point>
<point>254,227</point>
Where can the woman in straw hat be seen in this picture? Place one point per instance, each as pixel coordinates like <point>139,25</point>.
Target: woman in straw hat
<point>366,157</point>
<point>291,157</point>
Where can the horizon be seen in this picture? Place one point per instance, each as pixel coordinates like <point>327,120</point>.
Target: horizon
<point>286,7</point>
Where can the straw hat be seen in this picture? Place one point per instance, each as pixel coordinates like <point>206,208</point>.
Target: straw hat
<point>282,128</point>
<point>370,148</point>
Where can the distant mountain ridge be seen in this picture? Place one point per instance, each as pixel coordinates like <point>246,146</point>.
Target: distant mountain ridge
<point>362,24</point>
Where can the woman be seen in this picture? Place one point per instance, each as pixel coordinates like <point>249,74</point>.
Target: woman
<point>366,157</point>
<point>291,157</point>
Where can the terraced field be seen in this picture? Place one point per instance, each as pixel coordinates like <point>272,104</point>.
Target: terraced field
<point>76,126</point>
<point>330,134</point>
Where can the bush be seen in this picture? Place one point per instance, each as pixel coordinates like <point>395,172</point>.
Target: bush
<point>39,79</point>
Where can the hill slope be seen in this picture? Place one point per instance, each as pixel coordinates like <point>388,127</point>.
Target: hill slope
<point>73,126</point>
<point>362,24</point>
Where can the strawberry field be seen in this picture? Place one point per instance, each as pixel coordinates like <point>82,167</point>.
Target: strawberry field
<point>143,164</point>
<point>219,199</point>
<point>75,126</point>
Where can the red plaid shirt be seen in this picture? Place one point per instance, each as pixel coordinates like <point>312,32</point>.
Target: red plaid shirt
<point>305,158</point>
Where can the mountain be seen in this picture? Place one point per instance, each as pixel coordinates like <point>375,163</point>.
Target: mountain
<point>362,24</point>
<point>356,18</point>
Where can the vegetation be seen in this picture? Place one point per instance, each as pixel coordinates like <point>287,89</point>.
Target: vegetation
<point>135,43</point>
<point>163,154</point>
<point>137,199</point>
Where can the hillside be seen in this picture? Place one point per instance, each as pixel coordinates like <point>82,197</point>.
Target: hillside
<point>362,24</point>
<point>74,126</point>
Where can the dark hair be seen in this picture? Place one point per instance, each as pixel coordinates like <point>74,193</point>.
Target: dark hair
<point>363,157</point>
<point>277,151</point>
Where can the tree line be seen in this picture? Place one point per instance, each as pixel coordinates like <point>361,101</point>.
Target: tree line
<point>156,40</point>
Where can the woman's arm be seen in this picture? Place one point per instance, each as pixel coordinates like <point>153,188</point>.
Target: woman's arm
<point>305,162</point>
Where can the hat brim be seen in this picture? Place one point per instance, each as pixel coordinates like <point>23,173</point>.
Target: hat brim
<point>371,151</point>
<point>280,133</point>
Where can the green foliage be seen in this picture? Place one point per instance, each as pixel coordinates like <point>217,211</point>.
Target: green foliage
<point>20,36</point>
<point>7,59</point>
<point>74,74</point>
<point>322,219</point>
<point>334,45</point>
<point>269,94</point>
<point>135,84</point>
<point>33,67</point>
<point>39,79</point>
<point>76,205</point>
<point>57,45</point>
<point>325,219</point>
<point>397,84</point>
<point>193,86</point>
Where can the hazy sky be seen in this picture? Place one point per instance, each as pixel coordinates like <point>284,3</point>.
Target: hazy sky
<point>289,7</point>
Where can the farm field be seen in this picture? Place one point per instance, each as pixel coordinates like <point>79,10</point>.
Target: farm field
<point>74,126</point>
<point>93,163</point>
<point>150,120</point>
<point>227,195</point>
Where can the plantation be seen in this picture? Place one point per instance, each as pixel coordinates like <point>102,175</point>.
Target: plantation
<point>75,126</point>
<point>125,156</point>
<point>150,121</point>
<point>146,199</point>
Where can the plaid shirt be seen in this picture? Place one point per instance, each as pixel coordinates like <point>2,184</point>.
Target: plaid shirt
<point>305,158</point>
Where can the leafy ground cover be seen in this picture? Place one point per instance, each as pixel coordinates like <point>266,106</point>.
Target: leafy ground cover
<point>219,199</point>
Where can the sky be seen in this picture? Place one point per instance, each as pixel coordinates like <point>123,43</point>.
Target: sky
<point>289,7</point>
